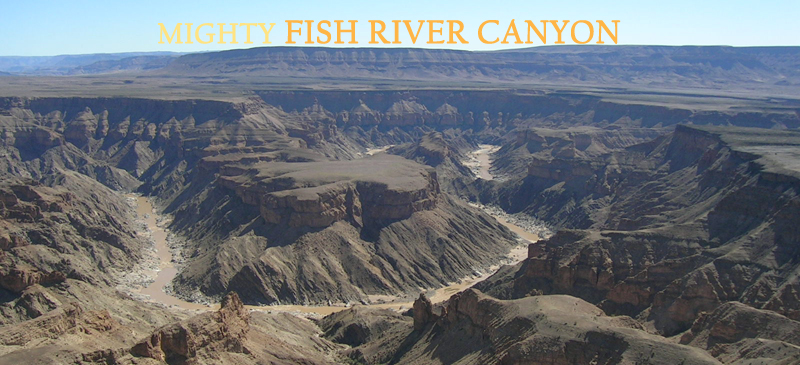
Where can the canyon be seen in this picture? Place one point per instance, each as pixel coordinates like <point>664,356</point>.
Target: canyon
<point>351,217</point>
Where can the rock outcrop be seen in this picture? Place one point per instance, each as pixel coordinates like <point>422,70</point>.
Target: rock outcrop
<point>220,331</point>
<point>297,227</point>
<point>16,280</point>
<point>423,313</point>
<point>317,194</point>
<point>233,334</point>
<point>553,329</point>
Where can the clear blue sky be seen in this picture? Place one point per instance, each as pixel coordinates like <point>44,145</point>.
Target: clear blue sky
<point>35,28</point>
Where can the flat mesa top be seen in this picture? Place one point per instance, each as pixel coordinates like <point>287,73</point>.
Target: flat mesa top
<point>778,150</point>
<point>395,172</point>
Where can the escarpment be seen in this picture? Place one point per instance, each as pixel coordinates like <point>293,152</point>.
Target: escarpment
<point>480,109</point>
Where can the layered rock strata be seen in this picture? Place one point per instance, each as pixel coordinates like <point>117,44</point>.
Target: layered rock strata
<point>317,194</point>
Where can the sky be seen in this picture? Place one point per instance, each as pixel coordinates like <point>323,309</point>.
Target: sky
<point>45,28</point>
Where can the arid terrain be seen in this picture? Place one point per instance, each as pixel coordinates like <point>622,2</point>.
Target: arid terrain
<point>554,205</point>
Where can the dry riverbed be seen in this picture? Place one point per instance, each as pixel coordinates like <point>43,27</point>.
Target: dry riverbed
<point>479,161</point>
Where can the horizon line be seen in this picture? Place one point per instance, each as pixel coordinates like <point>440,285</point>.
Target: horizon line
<point>407,48</point>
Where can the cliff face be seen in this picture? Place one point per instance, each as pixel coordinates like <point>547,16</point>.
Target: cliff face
<point>566,172</point>
<point>66,242</point>
<point>686,223</point>
<point>64,165</point>
<point>317,194</point>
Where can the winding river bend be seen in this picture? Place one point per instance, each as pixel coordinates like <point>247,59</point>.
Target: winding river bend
<point>167,272</point>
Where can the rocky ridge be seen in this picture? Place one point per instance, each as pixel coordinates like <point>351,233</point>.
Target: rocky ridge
<point>480,109</point>
<point>684,224</point>
<point>475,328</point>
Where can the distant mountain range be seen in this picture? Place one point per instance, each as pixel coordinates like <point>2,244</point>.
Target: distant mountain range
<point>84,64</point>
<point>651,66</point>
